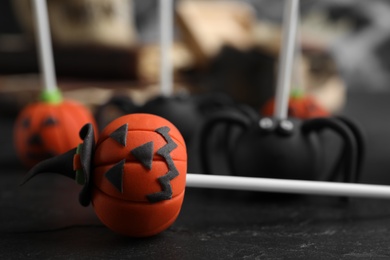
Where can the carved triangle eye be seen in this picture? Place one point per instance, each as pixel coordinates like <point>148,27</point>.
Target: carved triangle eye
<point>115,175</point>
<point>120,135</point>
<point>26,123</point>
<point>49,121</point>
<point>144,154</point>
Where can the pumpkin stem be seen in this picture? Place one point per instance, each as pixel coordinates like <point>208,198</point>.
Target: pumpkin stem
<point>51,96</point>
<point>297,93</point>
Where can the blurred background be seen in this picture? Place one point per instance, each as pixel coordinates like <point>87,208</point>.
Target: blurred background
<point>104,48</point>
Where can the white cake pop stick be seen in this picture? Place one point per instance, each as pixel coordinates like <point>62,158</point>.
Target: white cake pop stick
<point>166,36</point>
<point>44,45</point>
<point>290,23</point>
<point>287,186</point>
<point>297,81</point>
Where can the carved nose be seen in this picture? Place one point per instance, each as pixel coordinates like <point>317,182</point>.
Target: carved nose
<point>35,139</point>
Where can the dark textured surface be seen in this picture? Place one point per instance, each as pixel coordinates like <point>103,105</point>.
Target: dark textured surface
<point>43,220</point>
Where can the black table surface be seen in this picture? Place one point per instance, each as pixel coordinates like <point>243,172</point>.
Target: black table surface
<point>43,219</point>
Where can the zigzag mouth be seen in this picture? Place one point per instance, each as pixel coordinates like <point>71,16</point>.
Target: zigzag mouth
<point>165,180</point>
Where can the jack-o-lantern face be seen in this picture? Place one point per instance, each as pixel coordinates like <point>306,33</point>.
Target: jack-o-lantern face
<point>44,130</point>
<point>140,164</point>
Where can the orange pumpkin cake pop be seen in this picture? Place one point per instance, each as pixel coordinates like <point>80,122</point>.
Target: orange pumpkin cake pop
<point>134,175</point>
<point>48,128</point>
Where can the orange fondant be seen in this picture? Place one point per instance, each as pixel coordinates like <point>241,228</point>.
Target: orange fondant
<point>136,219</point>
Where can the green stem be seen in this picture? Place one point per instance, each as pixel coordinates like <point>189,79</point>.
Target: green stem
<point>51,96</point>
<point>80,178</point>
<point>297,93</point>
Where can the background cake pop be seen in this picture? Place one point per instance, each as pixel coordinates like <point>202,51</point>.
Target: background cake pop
<point>300,104</point>
<point>279,146</point>
<point>50,126</point>
<point>134,175</point>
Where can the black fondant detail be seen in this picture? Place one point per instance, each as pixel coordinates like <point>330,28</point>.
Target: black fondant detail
<point>26,123</point>
<point>360,142</point>
<point>115,175</point>
<point>144,154</point>
<point>349,155</point>
<point>35,140</point>
<point>50,121</point>
<point>120,135</point>
<point>229,119</point>
<point>86,158</point>
<point>61,164</point>
<point>165,180</point>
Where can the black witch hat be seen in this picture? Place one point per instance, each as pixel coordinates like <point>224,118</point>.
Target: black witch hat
<point>64,164</point>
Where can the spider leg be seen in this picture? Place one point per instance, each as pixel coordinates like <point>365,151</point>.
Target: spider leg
<point>349,155</point>
<point>225,117</point>
<point>337,166</point>
<point>249,112</point>
<point>360,141</point>
<point>231,131</point>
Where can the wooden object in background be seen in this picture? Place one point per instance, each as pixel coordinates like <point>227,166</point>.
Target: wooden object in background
<point>206,26</point>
